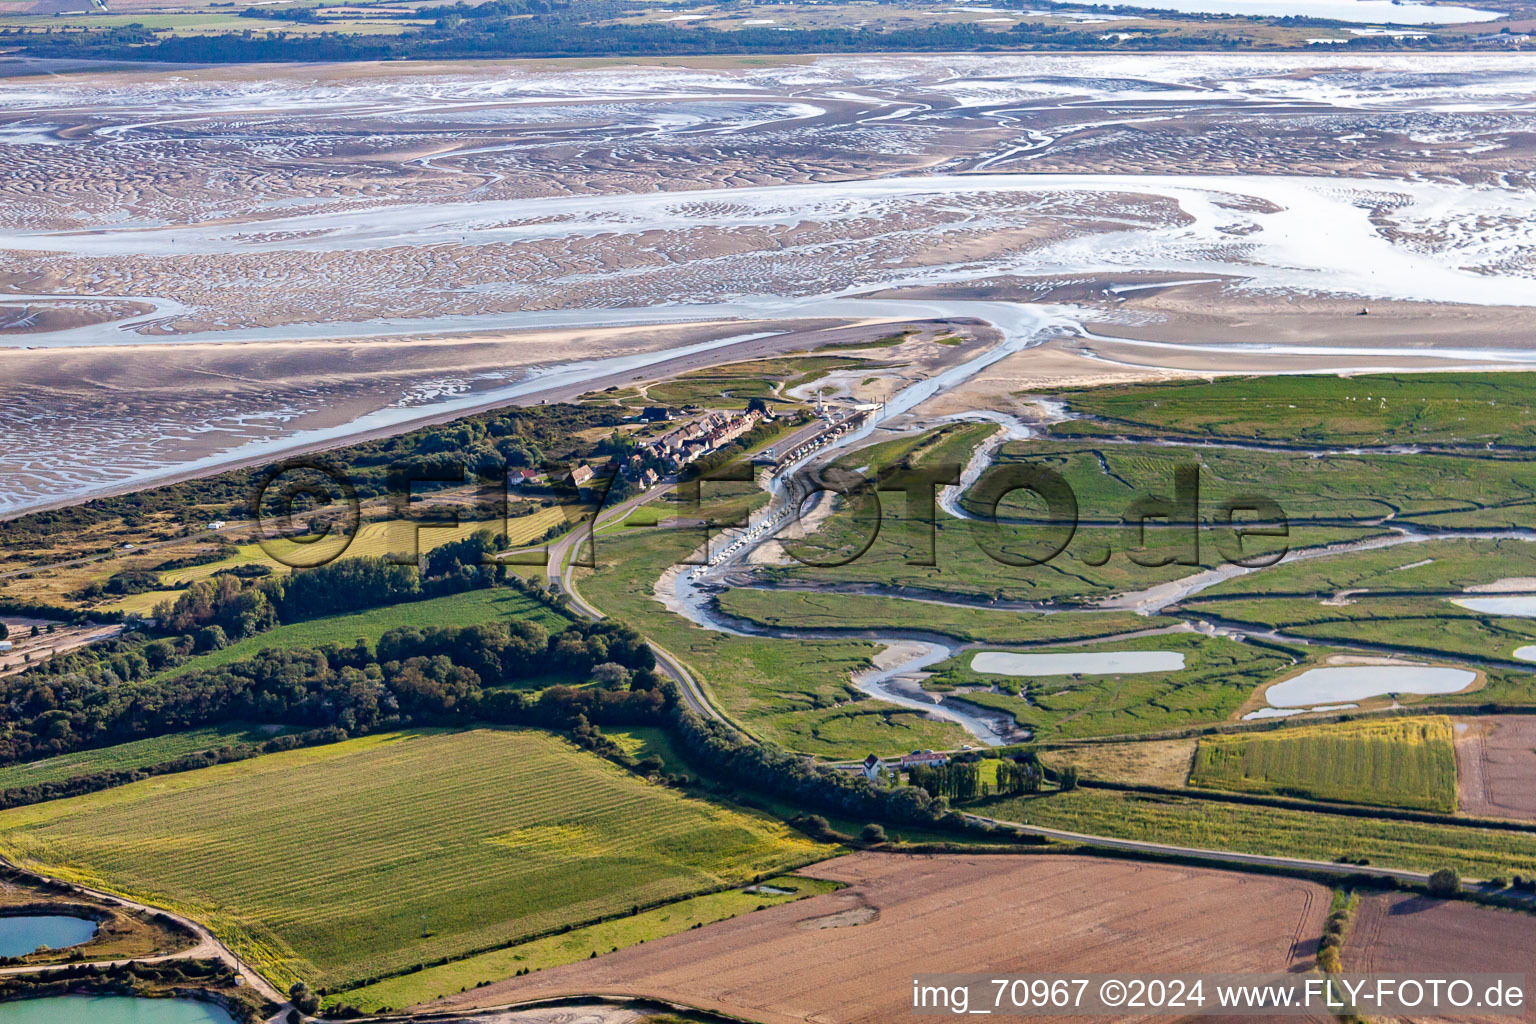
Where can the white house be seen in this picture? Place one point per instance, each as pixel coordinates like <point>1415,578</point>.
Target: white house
<point>873,766</point>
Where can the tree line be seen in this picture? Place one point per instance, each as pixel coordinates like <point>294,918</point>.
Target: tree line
<point>438,676</point>
<point>457,35</point>
<point>511,437</point>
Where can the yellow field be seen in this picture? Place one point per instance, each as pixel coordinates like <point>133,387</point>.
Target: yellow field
<point>386,537</point>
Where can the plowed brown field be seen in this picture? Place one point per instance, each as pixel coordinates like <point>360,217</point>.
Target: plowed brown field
<point>1416,936</point>
<point>1496,766</point>
<point>849,956</point>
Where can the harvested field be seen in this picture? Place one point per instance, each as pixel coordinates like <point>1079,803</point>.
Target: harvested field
<point>904,914</point>
<point>1401,934</point>
<point>1496,766</point>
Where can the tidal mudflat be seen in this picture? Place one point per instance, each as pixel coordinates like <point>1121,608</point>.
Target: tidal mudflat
<point>414,230</point>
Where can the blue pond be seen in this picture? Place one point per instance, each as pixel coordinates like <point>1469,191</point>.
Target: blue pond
<point>22,935</point>
<point>111,1010</point>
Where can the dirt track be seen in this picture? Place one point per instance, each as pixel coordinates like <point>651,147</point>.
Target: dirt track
<point>849,956</point>
<point>1496,766</point>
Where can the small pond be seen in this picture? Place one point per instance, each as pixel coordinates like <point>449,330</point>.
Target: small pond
<point>111,1010</point>
<point>1092,663</point>
<point>22,935</point>
<point>1522,606</point>
<point>1359,682</point>
<point>1526,653</point>
<point>1376,12</point>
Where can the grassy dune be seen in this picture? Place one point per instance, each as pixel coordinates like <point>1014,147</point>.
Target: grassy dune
<point>1397,763</point>
<point>336,864</point>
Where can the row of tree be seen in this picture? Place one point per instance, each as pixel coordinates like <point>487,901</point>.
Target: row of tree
<point>445,676</point>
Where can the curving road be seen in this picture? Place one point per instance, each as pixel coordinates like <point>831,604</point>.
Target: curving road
<point>559,569</point>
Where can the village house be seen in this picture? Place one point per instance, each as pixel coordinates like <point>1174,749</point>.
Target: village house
<point>923,759</point>
<point>518,477</point>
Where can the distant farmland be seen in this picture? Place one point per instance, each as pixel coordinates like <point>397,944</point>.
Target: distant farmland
<point>1401,763</point>
<point>340,863</point>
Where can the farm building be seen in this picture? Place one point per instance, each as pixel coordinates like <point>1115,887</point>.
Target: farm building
<point>923,759</point>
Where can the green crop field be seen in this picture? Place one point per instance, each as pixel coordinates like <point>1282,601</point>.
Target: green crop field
<point>1214,825</point>
<point>137,754</point>
<point>1218,676</point>
<point>577,944</point>
<point>341,863</point>
<point>1395,763</point>
<point>467,609</point>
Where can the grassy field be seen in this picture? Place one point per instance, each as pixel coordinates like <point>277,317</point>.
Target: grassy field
<point>1208,824</point>
<point>1470,408</point>
<point>467,609</point>
<point>805,610</point>
<point>1395,763</point>
<point>795,693</point>
<point>1218,676</point>
<point>1443,565</point>
<point>978,560</point>
<point>1144,762</point>
<point>137,754</point>
<point>1445,490</point>
<point>339,863</point>
<point>641,741</point>
<point>578,944</point>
